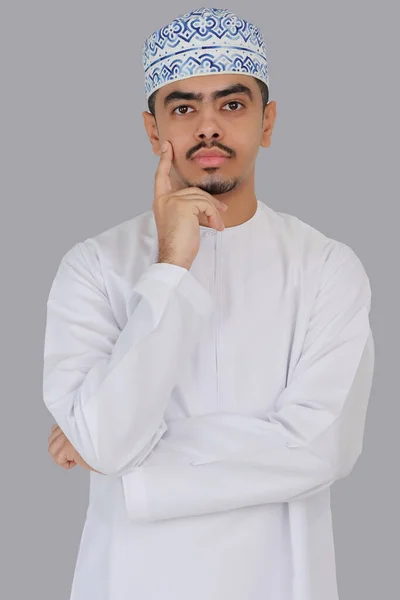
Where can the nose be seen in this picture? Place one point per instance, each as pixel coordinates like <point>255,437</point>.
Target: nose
<point>204,136</point>
<point>208,127</point>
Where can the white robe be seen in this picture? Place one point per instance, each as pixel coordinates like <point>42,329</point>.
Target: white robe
<point>220,404</point>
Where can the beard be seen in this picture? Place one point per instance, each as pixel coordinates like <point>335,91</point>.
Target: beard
<point>215,187</point>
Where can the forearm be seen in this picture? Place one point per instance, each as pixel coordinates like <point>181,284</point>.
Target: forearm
<point>113,414</point>
<point>221,462</point>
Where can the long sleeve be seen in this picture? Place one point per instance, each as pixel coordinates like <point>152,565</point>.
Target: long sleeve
<point>98,380</point>
<point>313,437</point>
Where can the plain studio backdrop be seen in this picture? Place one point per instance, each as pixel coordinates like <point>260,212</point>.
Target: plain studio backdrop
<point>75,160</point>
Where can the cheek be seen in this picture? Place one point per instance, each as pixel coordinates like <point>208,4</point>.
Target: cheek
<point>247,146</point>
<point>245,137</point>
<point>180,143</point>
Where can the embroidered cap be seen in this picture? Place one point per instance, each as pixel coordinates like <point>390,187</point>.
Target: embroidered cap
<point>204,41</point>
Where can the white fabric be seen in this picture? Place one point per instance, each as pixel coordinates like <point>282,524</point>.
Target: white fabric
<point>219,404</point>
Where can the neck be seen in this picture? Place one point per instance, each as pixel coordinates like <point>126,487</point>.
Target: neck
<point>242,203</point>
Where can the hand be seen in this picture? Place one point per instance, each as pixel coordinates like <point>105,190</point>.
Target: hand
<point>62,451</point>
<point>178,215</point>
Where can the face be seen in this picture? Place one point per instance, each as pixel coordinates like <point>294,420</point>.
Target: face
<point>219,112</point>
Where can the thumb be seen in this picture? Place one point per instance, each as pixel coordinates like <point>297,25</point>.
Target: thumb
<point>162,181</point>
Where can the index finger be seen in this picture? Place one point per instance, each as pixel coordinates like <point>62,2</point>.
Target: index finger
<point>162,182</point>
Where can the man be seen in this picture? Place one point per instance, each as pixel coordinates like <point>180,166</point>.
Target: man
<point>210,360</point>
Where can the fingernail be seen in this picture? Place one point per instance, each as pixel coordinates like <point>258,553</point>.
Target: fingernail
<point>164,147</point>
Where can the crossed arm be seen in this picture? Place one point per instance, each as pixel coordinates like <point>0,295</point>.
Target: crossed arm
<point>221,461</point>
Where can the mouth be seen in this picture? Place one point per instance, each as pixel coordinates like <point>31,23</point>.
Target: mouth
<point>210,161</point>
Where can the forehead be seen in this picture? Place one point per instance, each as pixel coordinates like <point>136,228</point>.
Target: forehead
<point>207,84</point>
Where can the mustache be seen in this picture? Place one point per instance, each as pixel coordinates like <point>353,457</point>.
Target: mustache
<point>228,151</point>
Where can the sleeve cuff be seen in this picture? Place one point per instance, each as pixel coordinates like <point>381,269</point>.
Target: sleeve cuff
<point>135,495</point>
<point>179,278</point>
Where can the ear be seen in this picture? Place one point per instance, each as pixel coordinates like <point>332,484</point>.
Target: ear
<point>150,125</point>
<point>268,124</point>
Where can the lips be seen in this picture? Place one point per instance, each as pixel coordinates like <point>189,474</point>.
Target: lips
<point>210,158</point>
<point>210,154</point>
<point>211,161</point>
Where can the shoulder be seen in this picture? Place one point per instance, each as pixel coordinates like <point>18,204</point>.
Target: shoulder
<point>318,255</point>
<point>117,245</point>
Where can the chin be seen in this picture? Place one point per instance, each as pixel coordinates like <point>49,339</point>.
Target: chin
<point>212,181</point>
<point>217,188</point>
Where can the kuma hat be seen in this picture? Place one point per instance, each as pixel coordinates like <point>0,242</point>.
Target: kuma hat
<point>204,41</point>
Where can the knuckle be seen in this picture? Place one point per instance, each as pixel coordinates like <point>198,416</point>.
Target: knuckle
<point>162,197</point>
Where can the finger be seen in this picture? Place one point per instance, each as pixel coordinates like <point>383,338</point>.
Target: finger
<point>162,181</point>
<point>195,190</point>
<point>60,447</point>
<point>220,206</point>
<point>57,432</point>
<point>199,193</point>
<point>62,453</point>
<point>55,444</point>
<point>58,456</point>
<point>206,207</point>
<point>69,464</point>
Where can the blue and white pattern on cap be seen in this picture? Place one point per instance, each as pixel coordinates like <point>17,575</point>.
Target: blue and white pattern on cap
<point>202,42</point>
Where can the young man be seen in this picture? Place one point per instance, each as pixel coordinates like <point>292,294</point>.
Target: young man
<point>210,365</point>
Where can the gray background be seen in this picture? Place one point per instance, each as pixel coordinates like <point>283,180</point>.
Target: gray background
<point>75,160</point>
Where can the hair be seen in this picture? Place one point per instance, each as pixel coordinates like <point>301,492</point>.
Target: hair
<point>151,102</point>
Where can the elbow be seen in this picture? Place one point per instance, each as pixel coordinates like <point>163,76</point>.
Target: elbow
<point>347,466</point>
<point>345,461</point>
<point>339,448</point>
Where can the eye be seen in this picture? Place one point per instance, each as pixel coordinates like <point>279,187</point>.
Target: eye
<point>234,102</point>
<point>179,107</point>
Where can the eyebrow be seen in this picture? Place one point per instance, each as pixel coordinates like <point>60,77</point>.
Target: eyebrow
<point>237,88</point>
